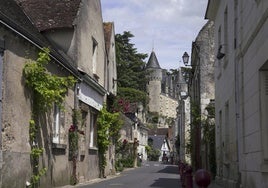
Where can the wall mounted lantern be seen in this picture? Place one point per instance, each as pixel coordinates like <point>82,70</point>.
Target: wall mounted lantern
<point>185,59</point>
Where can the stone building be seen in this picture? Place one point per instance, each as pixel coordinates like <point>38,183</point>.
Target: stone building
<point>183,119</point>
<point>163,101</point>
<point>74,32</point>
<point>201,91</point>
<point>241,91</point>
<point>163,93</point>
<point>110,84</point>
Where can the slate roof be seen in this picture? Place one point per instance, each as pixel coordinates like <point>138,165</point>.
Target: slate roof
<point>50,14</point>
<point>153,62</point>
<point>13,17</point>
<point>158,140</point>
<point>159,131</point>
<point>12,14</point>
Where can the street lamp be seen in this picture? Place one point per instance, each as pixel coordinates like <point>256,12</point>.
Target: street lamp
<point>185,59</point>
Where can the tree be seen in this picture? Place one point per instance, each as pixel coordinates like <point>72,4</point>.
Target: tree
<point>130,63</point>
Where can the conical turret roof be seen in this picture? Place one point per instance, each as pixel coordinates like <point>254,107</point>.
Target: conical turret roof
<point>153,62</point>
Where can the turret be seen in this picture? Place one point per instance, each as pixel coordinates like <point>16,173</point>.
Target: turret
<point>154,83</point>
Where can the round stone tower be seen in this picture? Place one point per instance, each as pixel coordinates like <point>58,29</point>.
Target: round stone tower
<point>154,83</point>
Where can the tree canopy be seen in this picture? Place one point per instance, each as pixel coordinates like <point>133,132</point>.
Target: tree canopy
<point>130,63</point>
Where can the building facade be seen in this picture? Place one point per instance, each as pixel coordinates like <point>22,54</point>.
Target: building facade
<point>240,97</point>
<point>74,33</point>
<point>201,91</point>
<point>163,94</point>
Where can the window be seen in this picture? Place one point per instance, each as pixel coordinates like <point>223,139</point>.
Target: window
<point>93,130</point>
<point>58,123</point>
<point>94,56</point>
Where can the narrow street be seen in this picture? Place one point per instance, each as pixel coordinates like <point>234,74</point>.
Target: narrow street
<point>151,174</point>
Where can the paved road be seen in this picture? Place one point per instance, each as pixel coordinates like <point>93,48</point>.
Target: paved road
<point>150,175</point>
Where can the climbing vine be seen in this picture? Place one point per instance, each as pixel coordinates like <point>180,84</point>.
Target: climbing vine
<point>195,122</point>
<point>47,89</point>
<point>209,137</point>
<point>208,134</point>
<point>109,125</point>
<point>73,142</point>
<point>36,152</point>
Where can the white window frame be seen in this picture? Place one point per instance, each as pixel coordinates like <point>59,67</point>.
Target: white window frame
<point>94,55</point>
<point>92,130</point>
<point>56,124</point>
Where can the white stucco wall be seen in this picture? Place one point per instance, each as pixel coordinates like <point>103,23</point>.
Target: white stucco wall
<point>240,132</point>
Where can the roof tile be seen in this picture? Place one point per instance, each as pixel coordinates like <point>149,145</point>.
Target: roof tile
<point>50,14</point>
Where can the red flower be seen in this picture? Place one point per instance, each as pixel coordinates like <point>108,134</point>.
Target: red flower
<point>72,128</point>
<point>125,142</point>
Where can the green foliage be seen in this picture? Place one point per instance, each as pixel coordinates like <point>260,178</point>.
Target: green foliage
<point>147,148</point>
<point>114,129</point>
<point>36,152</point>
<point>133,95</point>
<point>109,125</point>
<point>170,121</point>
<point>35,178</point>
<point>47,88</point>
<point>77,117</point>
<point>130,64</point>
<point>211,110</point>
<point>127,162</point>
<point>127,97</point>
<point>153,117</point>
<point>32,131</point>
<point>73,144</point>
<point>124,155</point>
<point>153,154</point>
<point>73,180</point>
<point>209,137</point>
<point>119,166</point>
<point>73,134</point>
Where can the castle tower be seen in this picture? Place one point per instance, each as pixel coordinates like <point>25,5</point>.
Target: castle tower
<point>154,83</point>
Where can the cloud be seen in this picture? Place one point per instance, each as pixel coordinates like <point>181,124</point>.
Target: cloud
<point>167,26</point>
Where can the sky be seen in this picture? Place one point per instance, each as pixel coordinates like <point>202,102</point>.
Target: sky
<point>168,27</point>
